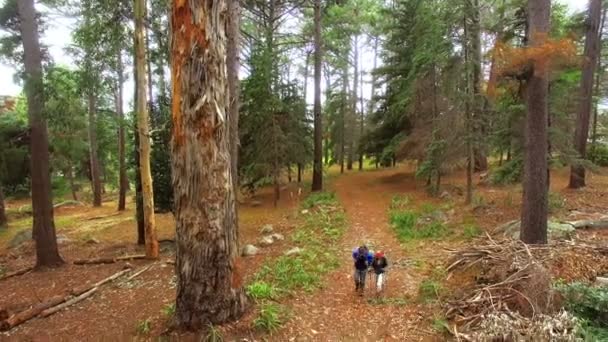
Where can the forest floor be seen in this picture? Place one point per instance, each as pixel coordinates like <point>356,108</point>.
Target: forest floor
<point>141,308</point>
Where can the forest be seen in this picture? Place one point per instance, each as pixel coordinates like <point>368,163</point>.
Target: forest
<point>207,170</point>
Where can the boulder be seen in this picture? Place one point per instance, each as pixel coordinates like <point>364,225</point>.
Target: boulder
<point>294,251</point>
<point>305,211</point>
<point>21,237</point>
<point>555,230</point>
<point>63,239</point>
<point>278,237</point>
<point>249,250</point>
<point>267,229</point>
<point>267,240</point>
<point>445,195</point>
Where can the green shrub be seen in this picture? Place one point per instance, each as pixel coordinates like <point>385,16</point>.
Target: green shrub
<point>400,202</point>
<point>440,325</point>
<point>169,310</point>
<point>509,173</point>
<point>599,154</point>
<point>269,318</point>
<point>261,290</point>
<point>405,225</point>
<point>319,199</point>
<point>590,304</point>
<point>556,202</point>
<point>144,327</point>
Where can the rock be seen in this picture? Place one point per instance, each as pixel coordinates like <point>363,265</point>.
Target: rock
<point>445,195</point>
<point>249,250</point>
<point>278,237</point>
<point>267,229</point>
<point>92,241</point>
<point>559,231</point>
<point>602,281</point>
<point>267,240</point>
<point>295,250</point>
<point>63,239</point>
<point>21,237</point>
<point>555,230</point>
<point>590,224</point>
<point>255,203</point>
<point>305,211</point>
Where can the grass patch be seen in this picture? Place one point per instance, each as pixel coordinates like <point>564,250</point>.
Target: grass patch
<point>144,327</point>
<point>270,317</point>
<point>392,301</point>
<point>400,202</point>
<point>169,310</point>
<point>408,224</point>
<point>213,334</point>
<point>317,234</point>
<point>471,231</point>
<point>556,202</point>
<point>429,291</point>
<point>440,325</point>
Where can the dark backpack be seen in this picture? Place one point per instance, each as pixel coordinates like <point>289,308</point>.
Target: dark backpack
<point>361,262</point>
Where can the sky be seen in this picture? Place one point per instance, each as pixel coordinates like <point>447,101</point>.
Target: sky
<point>58,36</point>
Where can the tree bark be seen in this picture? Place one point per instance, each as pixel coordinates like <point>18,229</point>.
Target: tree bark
<point>122,166</point>
<point>317,172</point>
<point>139,201</point>
<point>69,172</point>
<point>3,218</point>
<point>598,76</point>
<point>581,133</point>
<point>343,117</point>
<point>299,172</point>
<point>353,116</point>
<point>143,133</point>
<point>47,254</point>
<point>469,97</point>
<point>361,120</point>
<point>232,59</point>
<point>535,191</point>
<point>208,279</point>
<point>93,149</point>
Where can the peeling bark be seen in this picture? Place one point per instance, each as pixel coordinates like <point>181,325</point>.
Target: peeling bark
<point>209,288</point>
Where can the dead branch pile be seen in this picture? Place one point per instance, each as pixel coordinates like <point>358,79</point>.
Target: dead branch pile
<point>512,280</point>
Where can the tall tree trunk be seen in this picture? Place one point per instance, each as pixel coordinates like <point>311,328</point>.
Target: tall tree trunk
<point>343,117</point>
<point>93,156</point>
<point>326,147</point>
<point>139,199</point>
<point>299,172</point>
<point>69,172</point>
<point>143,133</point>
<point>275,167</point>
<point>598,76</point>
<point>355,94</point>
<point>581,133</point>
<point>535,191</point>
<point>481,160</point>
<point>3,218</point>
<point>147,57</point>
<point>47,254</point>
<point>317,172</point>
<point>208,280</point>
<point>232,59</point>
<point>361,119</point>
<point>469,97</point>
<point>122,165</point>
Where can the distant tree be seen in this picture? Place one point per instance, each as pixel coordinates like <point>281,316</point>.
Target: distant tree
<point>47,254</point>
<point>592,50</point>
<point>208,281</point>
<point>143,132</point>
<point>535,182</point>
<point>317,173</point>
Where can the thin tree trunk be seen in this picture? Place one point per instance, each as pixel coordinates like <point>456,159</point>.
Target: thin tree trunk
<point>581,133</point>
<point>343,117</point>
<point>317,173</point>
<point>47,254</point>
<point>148,59</point>
<point>276,169</point>
<point>535,191</point>
<point>351,148</point>
<point>93,156</point>
<point>139,200</point>
<point>479,149</point>
<point>299,172</point>
<point>69,172</point>
<point>3,218</point>
<point>326,147</point>
<point>143,132</point>
<point>233,65</point>
<point>598,75</point>
<point>469,117</point>
<point>208,277</point>
<point>122,165</point>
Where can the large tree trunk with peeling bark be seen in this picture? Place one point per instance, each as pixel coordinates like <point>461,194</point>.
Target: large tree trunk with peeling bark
<point>209,288</point>
<point>535,185</point>
<point>122,165</point>
<point>47,254</point>
<point>581,134</point>
<point>143,132</point>
<point>317,172</point>
<point>93,155</point>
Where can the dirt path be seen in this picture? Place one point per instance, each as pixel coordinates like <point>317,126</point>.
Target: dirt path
<point>336,313</point>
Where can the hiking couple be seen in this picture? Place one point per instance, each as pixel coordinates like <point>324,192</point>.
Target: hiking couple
<point>364,259</point>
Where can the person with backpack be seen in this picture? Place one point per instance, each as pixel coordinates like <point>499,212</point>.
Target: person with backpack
<point>363,259</point>
<point>379,264</point>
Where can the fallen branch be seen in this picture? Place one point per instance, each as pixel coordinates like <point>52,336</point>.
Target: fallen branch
<point>108,260</point>
<point>103,216</point>
<point>17,273</point>
<point>56,303</point>
<point>134,275</point>
<point>65,304</point>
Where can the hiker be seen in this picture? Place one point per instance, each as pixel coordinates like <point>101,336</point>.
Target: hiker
<point>363,259</point>
<point>379,264</point>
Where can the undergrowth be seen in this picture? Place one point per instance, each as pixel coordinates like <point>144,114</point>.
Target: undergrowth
<point>317,234</point>
<point>590,305</point>
<point>416,225</point>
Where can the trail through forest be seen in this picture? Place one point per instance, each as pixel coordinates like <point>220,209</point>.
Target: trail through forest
<point>336,312</point>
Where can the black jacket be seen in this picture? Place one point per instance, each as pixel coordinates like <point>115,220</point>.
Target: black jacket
<point>379,264</point>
